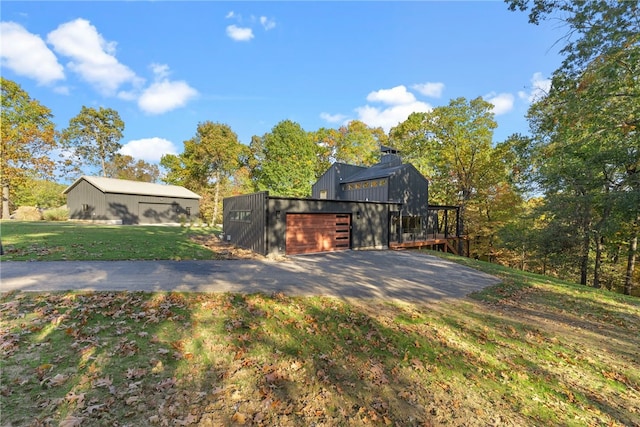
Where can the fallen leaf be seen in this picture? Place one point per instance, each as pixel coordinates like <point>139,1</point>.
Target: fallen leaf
<point>70,421</point>
<point>136,373</point>
<point>92,408</point>
<point>58,380</point>
<point>103,382</point>
<point>190,419</point>
<point>239,418</point>
<point>77,398</point>
<point>131,400</point>
<point>166,384</point>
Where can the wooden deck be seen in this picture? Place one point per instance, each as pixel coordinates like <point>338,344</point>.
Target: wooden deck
<point>439,243</point>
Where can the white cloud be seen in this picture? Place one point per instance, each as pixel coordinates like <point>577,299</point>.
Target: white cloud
<point>430,89</point>
<point>502,102</point>
<point>389,117</point>
<point>539,88</point>
<point>26,54</point>
<point>92,57</point>
<point>333,118</point>
<point>400,104</point>
<point>160,71</point>
<point>239,34</point>
<point>148,149</point>
<point>267,24</point>
<point>394,96</point>
<point>165,95</point>
<point>231,14</point>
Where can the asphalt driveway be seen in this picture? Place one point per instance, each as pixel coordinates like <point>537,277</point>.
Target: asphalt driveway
<point>396,275</point>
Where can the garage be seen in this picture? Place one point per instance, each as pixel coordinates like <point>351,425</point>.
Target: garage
<point>317,232</point>
<point>121,201</point>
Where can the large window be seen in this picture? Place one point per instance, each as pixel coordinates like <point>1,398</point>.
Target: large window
<point>364,184</point>
<point>411,224</point>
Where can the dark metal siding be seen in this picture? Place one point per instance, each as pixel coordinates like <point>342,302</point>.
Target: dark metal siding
<point>411,189</point>
<point>139,209</point>
<point>126,207</point>
<point>248,232</point>
<point>86,194</point>
<point>369,221</point>
<point>331,180</point>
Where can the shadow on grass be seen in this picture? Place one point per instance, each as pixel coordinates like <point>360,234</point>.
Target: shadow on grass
<point>256,359</point>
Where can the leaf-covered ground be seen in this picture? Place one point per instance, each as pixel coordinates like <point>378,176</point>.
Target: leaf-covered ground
<point>541,354</point>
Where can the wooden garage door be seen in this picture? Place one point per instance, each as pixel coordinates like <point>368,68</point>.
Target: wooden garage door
<point>318,232</point>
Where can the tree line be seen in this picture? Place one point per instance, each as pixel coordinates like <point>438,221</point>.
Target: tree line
<point>563,200</point>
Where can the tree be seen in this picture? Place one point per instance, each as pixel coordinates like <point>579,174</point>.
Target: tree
<point>28,137</point>
<point>586,129</point>
<point>451,145</point>
<point>93,137</point>
<point>354,143</point>
<point>39,192</point>
<point>209,160</point>
<point>289,165</point>
<point>125,167</point>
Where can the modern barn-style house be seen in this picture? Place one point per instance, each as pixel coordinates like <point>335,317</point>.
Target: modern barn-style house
<point>351,207</point>
<point>120,201</point>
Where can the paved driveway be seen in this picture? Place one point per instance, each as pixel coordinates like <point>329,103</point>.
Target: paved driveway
<point>398,275</point>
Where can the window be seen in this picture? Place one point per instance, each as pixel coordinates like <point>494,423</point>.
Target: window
<point>85,207</point>
<point>323,194</point>
<point>188,212</point>
<point>242,216</point>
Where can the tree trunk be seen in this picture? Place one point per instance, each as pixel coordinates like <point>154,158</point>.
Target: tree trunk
<point>631,262</point>
<point>598,261</point>
<point>5,201</point>
<point>584,261</point>
<point>586,244</point>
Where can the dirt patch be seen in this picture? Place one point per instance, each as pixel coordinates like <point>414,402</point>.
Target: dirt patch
<point>224,250</point>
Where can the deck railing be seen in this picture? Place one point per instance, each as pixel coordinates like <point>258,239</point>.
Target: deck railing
<point>441,230</point>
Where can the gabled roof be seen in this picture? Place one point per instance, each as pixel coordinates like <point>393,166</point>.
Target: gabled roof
<point>389,165</point>
<point>375,172</point>
<point>124,186</point>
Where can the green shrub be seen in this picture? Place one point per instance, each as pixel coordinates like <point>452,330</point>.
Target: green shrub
<point>59,214</point>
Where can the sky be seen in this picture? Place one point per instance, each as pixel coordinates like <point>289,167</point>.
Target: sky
<point>166,66</point>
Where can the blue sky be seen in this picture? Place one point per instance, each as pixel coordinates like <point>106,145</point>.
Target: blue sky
<point>167,66</point>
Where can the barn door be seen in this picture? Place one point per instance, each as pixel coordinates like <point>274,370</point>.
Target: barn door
<point>317,232</point>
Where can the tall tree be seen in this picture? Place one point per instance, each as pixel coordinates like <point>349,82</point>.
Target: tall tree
<point>209,159</point>
<point>586,128</point>
<point>28,137</point>
<point>354,143</point>
<point>452,145</point>
<point>289,165</point>
<point>39,192</point>
<point>122,166</point>
<point>93,137</point>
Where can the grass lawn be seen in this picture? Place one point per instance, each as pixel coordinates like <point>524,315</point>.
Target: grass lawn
<point>55,241</point>
<point>531,351</point>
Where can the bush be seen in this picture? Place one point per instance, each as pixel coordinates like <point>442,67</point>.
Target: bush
<point>27,213</point>
<point>59,214</point>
